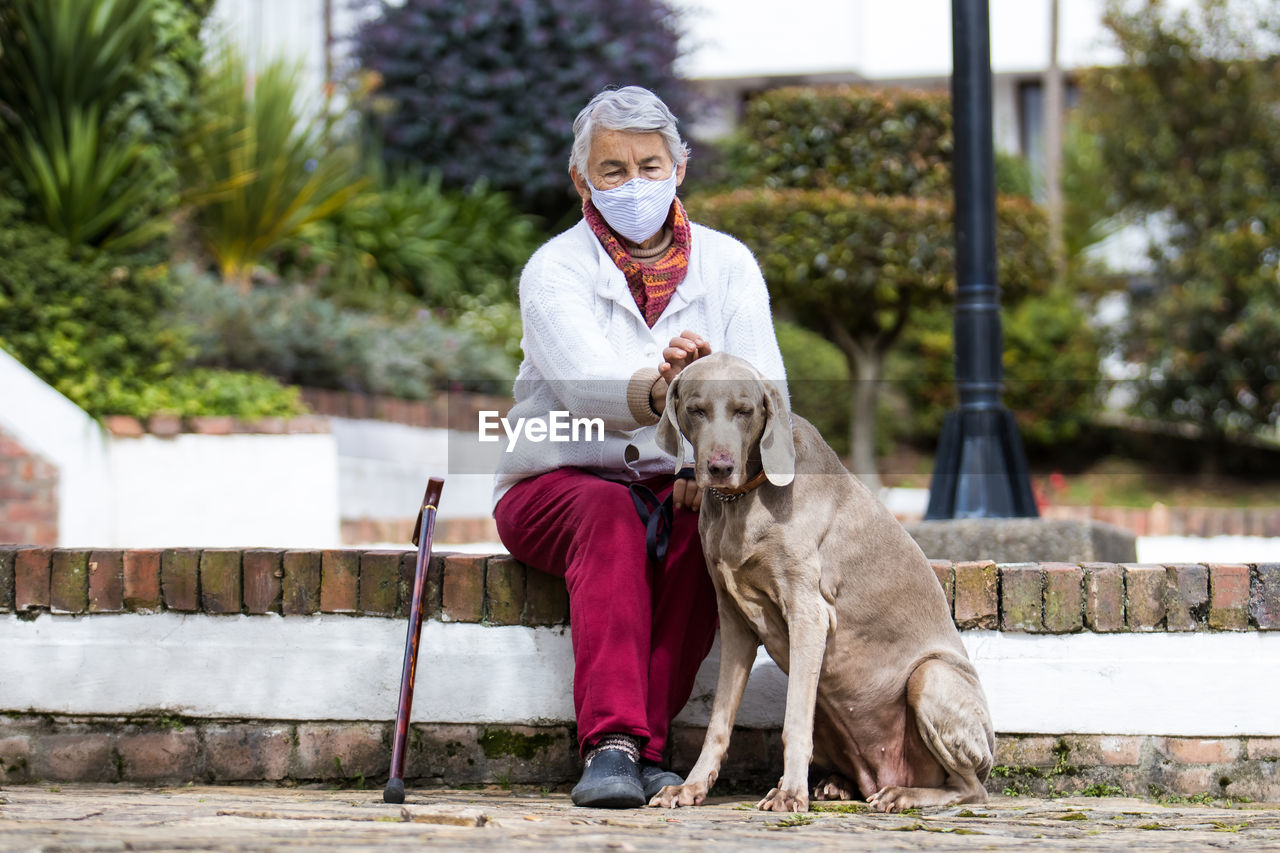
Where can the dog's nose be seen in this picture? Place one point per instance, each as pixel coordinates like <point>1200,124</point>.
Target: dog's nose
<point>720,466</point>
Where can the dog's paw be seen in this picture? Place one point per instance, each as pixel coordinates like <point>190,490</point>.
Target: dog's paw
<point>891,798</point>
<point>785,800</point>
<point>835,787</point>
<point>675,796</point>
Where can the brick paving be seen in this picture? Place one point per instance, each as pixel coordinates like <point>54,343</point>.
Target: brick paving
<point>92,818</point>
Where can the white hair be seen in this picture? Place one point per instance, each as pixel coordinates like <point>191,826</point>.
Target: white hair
<point>632,109</point>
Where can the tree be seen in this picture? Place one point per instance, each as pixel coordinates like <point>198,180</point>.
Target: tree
<point>489,88</point>
<point>1187,128</point>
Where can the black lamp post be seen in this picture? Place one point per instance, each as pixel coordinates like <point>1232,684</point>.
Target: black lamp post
<point>981,470</point>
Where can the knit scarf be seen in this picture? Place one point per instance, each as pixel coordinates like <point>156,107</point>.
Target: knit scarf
<point>651,281</point>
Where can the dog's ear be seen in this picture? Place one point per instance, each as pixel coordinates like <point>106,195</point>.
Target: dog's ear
<point>777,445</point>
<point>669,438</point>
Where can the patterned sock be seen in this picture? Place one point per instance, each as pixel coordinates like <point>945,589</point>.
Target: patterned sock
<point>623,743</point>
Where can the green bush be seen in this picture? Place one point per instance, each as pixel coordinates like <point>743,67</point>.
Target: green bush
<point>1050,366</point>
<point>876,141</point>
<point>202,391</point>
<point>1013,175</point>
<point>94,98</point>
<point>1210,337</point>
<point>497,324</point>
<point>290,333</point>
<point>818,380</point>
<point>452,250</point>
<point>86,321</point>
<point>82,319</point>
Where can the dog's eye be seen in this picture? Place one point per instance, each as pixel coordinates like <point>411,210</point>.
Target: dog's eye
<point>743,412</point>
<point>694,412</point>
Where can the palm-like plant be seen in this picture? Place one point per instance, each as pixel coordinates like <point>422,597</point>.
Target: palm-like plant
<point>67,70</point>
<point>259,167</point>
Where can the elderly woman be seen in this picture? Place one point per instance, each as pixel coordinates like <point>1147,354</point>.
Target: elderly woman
<point>613,309</point>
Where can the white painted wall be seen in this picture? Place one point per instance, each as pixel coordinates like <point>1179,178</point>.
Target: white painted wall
<point>383,470</point>
<point>225,491</point>
<point>905,38</point>
<point>294,30</point>
<point>188,491</point>
<point>48,424</point>
<point>347,668</point>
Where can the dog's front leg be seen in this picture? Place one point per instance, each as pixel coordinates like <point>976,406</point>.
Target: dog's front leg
<point>738,644</point>
<point>808,623</point>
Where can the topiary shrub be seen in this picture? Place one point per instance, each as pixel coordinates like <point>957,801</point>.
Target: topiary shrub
<point>489,89</point>
<point>877,141</point>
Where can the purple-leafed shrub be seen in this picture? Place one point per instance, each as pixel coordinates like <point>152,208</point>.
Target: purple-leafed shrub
<point>489,88</point>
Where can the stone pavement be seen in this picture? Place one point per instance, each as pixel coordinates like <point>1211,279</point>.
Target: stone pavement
<point>91,818</point>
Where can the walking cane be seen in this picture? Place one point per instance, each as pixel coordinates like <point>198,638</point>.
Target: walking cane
<point>422,530</point>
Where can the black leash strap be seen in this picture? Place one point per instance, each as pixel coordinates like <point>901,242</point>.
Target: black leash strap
<point>656,517</point>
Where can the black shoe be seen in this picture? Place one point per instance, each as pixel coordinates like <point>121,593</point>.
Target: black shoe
<point>655,779</point>
<point>611,780</point>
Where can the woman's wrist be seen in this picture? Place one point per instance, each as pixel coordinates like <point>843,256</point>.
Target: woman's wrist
<point>640,395</point>
<point>658,395</point>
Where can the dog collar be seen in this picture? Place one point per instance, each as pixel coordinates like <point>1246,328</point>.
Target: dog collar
<point>731,495</point>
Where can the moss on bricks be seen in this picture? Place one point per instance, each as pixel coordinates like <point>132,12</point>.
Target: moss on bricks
<point>6,578</point>
<point>180,579</point>
<point>499,742</point>
<point>69,581</point>
<point>379,582</point>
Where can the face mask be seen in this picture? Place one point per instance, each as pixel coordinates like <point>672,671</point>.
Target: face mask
<point>637,209</point>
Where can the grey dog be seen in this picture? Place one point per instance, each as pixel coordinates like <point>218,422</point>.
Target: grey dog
<point>807,561</point>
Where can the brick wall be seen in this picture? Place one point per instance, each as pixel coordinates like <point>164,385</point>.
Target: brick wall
<point>1049,598</point>
<point>449,531</point>
<point>168,426</point>
<point>28,495</point>
<point>448,410</point>
<point>1160,520</point>
<point>174,750</point>
<point>1140,521</point>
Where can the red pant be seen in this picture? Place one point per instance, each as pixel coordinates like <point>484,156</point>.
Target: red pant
<point>639,631</point>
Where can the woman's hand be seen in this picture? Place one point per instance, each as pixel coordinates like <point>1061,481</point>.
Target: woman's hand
<point>685,493</point>
<point>683,350</point>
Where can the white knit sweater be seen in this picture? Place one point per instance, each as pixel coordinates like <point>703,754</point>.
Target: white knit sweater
<point>585,342</point>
